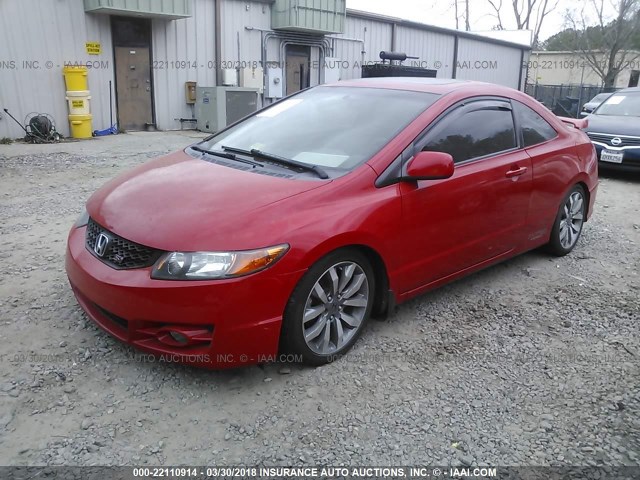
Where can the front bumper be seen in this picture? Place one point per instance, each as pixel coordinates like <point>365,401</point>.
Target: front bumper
<point>630,159</point>
<point>228,323</point>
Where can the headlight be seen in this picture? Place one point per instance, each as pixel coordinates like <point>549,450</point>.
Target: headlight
<point>82,220</point>
<point>214,265</point>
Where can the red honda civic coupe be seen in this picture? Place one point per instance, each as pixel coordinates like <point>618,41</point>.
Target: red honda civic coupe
<point>285,232</point>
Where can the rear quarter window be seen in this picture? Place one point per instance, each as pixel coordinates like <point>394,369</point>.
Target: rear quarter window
<point>535,129</point>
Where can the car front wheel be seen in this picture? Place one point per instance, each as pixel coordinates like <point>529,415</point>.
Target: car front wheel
<point>329,307</point>
<point>569,222</point>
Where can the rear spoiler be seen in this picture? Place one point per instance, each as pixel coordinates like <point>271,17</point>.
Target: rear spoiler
<point>579,123</point>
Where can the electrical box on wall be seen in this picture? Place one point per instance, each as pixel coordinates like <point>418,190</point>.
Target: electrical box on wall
<point>275,83</point>
<point>332,70</point>
<point>252,78</point>
<point>190,92</point>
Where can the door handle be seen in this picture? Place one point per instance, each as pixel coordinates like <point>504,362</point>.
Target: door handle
<point>516,172</point>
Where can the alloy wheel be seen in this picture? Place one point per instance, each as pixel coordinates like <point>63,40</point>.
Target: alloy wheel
<point>335,308</point>
<point>572,219</point>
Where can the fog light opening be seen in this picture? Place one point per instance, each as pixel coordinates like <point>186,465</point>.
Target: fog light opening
<point>179,337</point>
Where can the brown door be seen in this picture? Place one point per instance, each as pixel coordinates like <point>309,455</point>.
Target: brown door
<point>297,72</point>
<point>133,86</point>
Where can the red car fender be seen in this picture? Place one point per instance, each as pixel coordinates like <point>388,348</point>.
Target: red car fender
<point>367,243</point>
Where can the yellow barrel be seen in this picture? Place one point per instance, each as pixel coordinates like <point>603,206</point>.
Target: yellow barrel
<point>81,126</point>
<point>79,102</point>
<point>76,78</point>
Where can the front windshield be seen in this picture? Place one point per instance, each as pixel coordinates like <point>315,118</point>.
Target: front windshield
<point>331,127</point>
<point>625,104</point>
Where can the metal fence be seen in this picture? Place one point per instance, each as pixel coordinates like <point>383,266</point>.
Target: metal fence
<point>565,100</point>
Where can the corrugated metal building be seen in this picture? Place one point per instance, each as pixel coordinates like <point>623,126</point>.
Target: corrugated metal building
<point>149,49</point>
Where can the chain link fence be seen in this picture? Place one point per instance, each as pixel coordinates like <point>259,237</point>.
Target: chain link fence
<point>565,100</point>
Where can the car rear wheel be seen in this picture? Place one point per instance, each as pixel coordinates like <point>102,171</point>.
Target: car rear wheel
<point>329,307</point>
<point>569,222</point>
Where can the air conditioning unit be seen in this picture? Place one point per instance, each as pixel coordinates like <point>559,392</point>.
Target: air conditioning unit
<point>317,17</point>
<point>217,107</point>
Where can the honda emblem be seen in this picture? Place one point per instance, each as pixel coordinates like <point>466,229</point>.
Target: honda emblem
<point>102,243</point>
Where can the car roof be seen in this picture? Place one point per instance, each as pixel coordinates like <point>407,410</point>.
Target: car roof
<point>439,86</point>
<point>460,89</point>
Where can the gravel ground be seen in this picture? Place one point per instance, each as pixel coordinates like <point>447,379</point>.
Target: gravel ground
<point>531,362</point>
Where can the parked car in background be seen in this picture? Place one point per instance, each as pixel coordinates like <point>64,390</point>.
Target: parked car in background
<point>614,129</point>
<point>592,104</point>
<point>286,231</point>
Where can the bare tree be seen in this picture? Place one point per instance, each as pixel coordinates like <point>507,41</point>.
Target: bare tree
<point>497,7</point>
<point>605,45</point>
<point>528,14</point>
<point>456,9</point>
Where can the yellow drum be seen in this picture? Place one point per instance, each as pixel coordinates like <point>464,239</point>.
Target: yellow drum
<point>79,102</point>
<point>80,126</point>
<point>76,78</point>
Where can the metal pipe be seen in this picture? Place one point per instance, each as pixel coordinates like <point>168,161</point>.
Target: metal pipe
<point>363,50</point>
<point>346,39</point>
<point>454,67</point>
<point>299,39</point>
<point>520,86</point>
<point>323,43</point>
<point>364,45</point>
<point>394,31</point>
<point>218,40</point>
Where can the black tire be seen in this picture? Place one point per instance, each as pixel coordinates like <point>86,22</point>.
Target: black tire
<point>556,246</point>
<point>292,337</point>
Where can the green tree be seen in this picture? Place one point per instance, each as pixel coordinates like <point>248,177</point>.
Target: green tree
<point>606,44</point>
<point>567,40</point>
<point>561,41</point>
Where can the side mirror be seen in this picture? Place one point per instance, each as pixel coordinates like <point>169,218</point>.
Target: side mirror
<point>430,166</point>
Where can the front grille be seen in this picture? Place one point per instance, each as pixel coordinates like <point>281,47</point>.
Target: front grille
<point>120,253</point>
<point>606,139</point>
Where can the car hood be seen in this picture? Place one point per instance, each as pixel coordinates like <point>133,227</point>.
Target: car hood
<point>614,125</point>
<point>182,202</point>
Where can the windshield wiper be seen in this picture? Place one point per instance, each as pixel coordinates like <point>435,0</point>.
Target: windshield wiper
<point>229,156</point>
<point>279,160</point>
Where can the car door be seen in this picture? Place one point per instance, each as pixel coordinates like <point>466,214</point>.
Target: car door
<point>478,214</point>
<point>551,159</point>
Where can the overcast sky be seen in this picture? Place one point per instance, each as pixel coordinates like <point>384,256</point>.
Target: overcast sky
<point>441,13</point>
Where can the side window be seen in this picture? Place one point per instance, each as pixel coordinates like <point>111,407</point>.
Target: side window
<point>474,134</point>
<point>535,129</point>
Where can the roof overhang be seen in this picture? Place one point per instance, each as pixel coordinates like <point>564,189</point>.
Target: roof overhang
<point>432,28</point>
<point>164,9</point>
